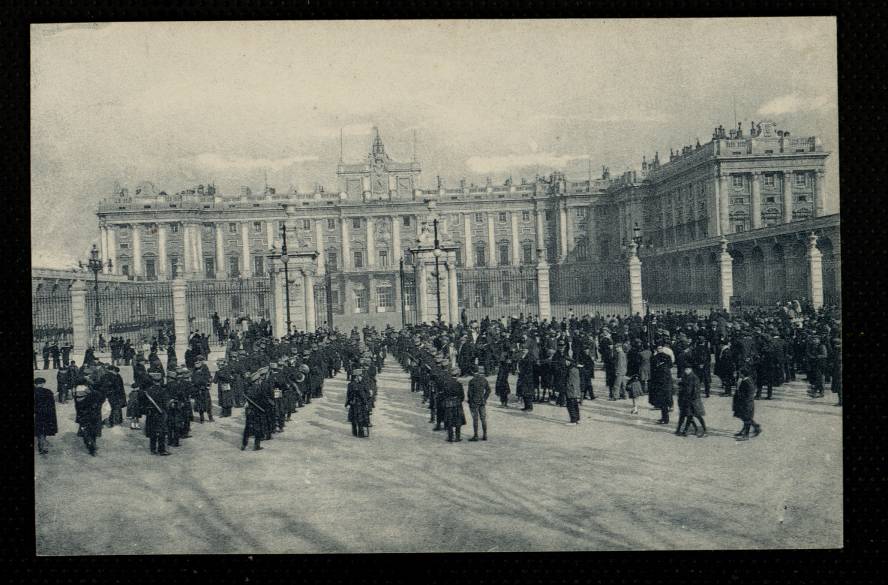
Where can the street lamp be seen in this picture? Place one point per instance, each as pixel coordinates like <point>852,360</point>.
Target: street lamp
<point>286,260</point>
<point>437,254</point>
<point>95,265</point>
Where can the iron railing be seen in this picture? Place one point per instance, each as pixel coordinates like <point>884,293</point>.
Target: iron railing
<point>580,288</point>
<point>137,311</point>
<point>230,299</point>
<point>497,292</point>
<point>51,314</point>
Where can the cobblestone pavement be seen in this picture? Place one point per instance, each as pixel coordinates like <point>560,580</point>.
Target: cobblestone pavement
<point>617,481</point>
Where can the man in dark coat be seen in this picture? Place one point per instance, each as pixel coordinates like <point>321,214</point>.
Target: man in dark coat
<point>744,404</point>
<point>479,392</point>
<point>525,380</point>
<point>155,403</point>
<point>701,361</point>
<point>223,380</point>
<point>88,409</point>
<point>502,382</point>
<point>690,405</point>
<point>62,384</point>
<point>254,412</point>
<point>45,355</point>
<point>660,394</point>
<point>45,421</point>
<point>116,396</point>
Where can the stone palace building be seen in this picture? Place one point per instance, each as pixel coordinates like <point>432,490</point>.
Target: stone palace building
<point>761,190</point>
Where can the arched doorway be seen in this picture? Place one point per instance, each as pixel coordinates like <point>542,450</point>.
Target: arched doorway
<point>757,277</point>
<point>796,264</point>
<point>738,267</point>
<point>778,274</point>
<point>830,291</point>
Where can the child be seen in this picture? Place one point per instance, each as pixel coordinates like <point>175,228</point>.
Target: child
<point>635,390</point>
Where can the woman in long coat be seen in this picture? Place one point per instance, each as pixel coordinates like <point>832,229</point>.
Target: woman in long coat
<point>502,388</point>
<point>660,394</point>
<point>690,404</point>
<point>454,413</point>
<point>744,404</point>
<point>45,421</point>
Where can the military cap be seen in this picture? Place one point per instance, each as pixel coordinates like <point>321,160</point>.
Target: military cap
<point>155,375</point>
<point>81,390</point>
<point>173,373</point>
<point>183,370</point>
<point>357,372</point>
<point>39,380</point>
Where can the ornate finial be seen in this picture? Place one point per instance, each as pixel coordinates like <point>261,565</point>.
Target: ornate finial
<point>723,242</point>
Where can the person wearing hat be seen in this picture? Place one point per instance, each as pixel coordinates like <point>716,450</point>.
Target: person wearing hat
<point>479,392</point>
<point>744,404</point>
<point>155,403</point>
<point>176,410</point>
<point>525,383</point>
<point>254,412</point>
<point>116,396</point>
<point>454,414</point>
<point>223,380</point>
<point>836,384</point>
<point>45,421</point>
<point>200,381</point>
<point>88,414</point>
<point>660,394</point>
<point>690,405</point>
<point>571,391</point>
<point>357,400</point>
<point>502,387</point>
<point>278,384</point>
<point>701,361</point>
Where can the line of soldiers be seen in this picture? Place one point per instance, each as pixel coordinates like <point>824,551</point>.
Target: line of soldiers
<point>58,354</point>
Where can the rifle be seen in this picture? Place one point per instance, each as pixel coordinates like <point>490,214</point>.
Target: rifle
<point>159,409</point>
<point>254,404</point>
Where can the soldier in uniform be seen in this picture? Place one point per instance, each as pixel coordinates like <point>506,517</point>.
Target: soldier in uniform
<point>454,415</point>
<point>357,400</point>
<point>88,409</point>
<point>690,405</point>
<point>744,404</point>
<point>45,421</point>
<point>502,382</point>
<point>200,380</point>
<point>525,384</point>
<point>254,412</point>
<point>116,396</point>
<point>155,402</point>
<point>278,384</point>
<point>62,384</point>
<point>175,408</point>
<point>223,380</point>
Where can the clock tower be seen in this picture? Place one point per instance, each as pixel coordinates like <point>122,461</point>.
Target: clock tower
<point>380,178</point>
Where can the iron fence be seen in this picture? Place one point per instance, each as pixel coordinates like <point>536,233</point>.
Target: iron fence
<point>681,283</point>
<point>580,288</point>
<point>136,311</point>
<point>497,292</point>
<point>408,308</point>
<point>230,299</point>
<point>51,313</point>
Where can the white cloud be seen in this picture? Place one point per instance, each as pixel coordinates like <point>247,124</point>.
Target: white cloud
<point>212,160</point>
<point>491,164</point>
<point>794,103</point>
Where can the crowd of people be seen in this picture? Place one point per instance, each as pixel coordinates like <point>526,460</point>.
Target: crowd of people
<point>270,379</point>
<point>752,353</point>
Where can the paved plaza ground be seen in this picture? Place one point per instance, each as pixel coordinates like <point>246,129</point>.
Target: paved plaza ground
<point>615,482</point>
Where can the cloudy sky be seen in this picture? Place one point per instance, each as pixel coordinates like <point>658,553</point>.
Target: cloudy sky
<point>179,104</point>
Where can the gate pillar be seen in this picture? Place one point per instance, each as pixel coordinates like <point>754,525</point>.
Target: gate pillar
<point>180,316</point>
<point>636,296</point>
<point>726,276</point>
<point>81,333</point>
<point>815,273</point>
<point>542,271</point>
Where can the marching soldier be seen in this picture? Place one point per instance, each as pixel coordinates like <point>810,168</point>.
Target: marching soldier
<point>116,396</point>
<point>200,379</point>
<point>357,400</point>
<point>88,409</point>
<point>45,421</point>
<point>454,414</point>
<point>223,380</point>
<point>479,392</point>
<point>254,412</point>
<point>155,402</point>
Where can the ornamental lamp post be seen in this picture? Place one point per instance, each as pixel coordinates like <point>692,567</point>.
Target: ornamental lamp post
<point>95,265</point>
<point>437,254</point>
<point>286,260</point>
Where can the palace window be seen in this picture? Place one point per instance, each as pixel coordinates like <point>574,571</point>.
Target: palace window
<point>770,199</point>
<point>233,266</point>
<point>480,256</point>
<point>738,200</point>
<point>769,179</point>
<point>174,266</point>
<point>801,179</point>
<point>306,224</point>
<point>504,254</point>
<point>737,180</point>
<point>406,221</point>
<point>258,266</point>
<point>124,245</point>
<point>385,298</point>
<point>479,218</point>
<point>454,219</point>
<point>332,260</point>
<point>359,258</point>
<point>408,258</point>
<point>581,248</point>
<point>739,227</point>
<point>150,272</point>
<point>581,212</point>
<point>331,224</point>
<point>209,267</point>
<point>174,228</point>
<point>548,215</point>
<point>527,251</point>
<point>356,223</point>
<point>232,228</point>
<point>502,217</point>
<point>124,269</point>
<point>257,227</point>
<point>383,258</point>
<point>459,255</point>
<point>525,216</point>
<point>361,301</point>
<point>802,198</point>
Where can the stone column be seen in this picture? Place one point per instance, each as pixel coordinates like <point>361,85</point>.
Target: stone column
<point>636,295</point>
<point>279,300</point>
<point>186,248</point>
<point>724,205</point>
<point>422,290</point>
<point>818,193</point>
<point>562,230</point>
<point>837,267</point>
<point>308,286</point>
<point>198,240</point>
<point>543,285</point>
<point>540,232</point>
<point>180,317</point>
<point>492,256</point>
<point>726,276</point>
<point>103,247</point>
<point>452,289</point>
<point>81,333</point>
<point>516,243</point>
<point>162,271</point>
<point>397,251</point>
<point>371,243</point>
<point>112,249</point>
<point>755,209</point>
<point>815,273</point>
<point>220,251</point>
<point>787,196</point>
<point>319,245</point>
<point>398,301</point>
<point>137,250</point>
<point>246,261</point>
<point>467,235</point>
<point>270,230</point>
<point>346,245</point>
